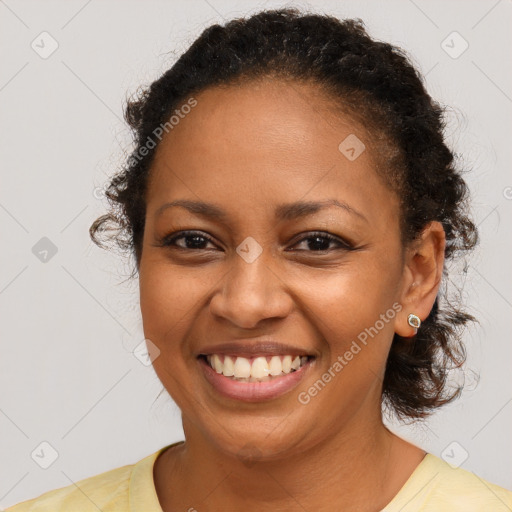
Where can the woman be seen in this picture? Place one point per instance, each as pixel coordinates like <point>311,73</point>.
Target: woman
<point>290,204</point>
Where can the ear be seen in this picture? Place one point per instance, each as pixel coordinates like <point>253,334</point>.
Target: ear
<point>423,270</point>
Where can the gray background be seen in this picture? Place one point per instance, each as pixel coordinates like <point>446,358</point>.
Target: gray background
<point>68,375</point>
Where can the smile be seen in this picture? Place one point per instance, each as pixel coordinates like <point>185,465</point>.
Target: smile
<point>254,379</point>
<point>255,369</point>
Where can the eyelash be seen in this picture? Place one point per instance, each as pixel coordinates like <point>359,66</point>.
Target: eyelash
<point>169,240</point>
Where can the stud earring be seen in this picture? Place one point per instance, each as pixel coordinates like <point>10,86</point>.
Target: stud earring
<point>414,321</point>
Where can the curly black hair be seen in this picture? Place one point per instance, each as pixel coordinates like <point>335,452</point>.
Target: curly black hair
<point>378,85</point>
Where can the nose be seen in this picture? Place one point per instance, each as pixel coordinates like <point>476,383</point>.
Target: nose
<point>250,293</point>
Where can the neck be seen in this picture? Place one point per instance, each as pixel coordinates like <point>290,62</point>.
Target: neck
<point>356,469</point>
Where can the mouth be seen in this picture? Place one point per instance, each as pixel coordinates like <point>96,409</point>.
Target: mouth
<point>255,369</point>
<point>254,379</point>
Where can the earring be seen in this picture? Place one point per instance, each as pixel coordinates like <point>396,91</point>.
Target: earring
<point>414,321</point>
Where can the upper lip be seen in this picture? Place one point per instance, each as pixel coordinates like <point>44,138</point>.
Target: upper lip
<point>247,348</point>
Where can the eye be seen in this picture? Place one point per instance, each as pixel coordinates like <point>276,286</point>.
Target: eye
<point>320,242</point>
<point>192,240</point>
<point>196,240</point>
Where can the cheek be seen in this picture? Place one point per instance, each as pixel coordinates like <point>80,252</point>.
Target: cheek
<point>345,301</point>
<point>352,308</point>
<point>169,299</point>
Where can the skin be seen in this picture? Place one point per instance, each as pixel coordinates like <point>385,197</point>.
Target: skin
<point>247,149</point>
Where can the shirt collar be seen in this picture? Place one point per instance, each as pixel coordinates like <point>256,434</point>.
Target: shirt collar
<point>142,493</point>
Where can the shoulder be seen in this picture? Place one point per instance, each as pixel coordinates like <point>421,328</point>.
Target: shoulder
<point>111,491</point>
<point>436,486</point>
<point>105,491</point>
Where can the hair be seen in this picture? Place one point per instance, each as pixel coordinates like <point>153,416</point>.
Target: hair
<point>379,86</point>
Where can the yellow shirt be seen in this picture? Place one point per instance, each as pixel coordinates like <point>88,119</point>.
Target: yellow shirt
<point>434,486</point>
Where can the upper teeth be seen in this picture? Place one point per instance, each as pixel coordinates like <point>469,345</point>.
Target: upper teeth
<point>259,367</point>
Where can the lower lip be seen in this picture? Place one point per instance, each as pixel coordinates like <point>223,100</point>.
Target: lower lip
<point>253,391</point>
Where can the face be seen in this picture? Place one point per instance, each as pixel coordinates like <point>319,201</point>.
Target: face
<point>259,267</point>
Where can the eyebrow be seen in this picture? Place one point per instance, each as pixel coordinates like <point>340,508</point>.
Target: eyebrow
<point>288,211</point>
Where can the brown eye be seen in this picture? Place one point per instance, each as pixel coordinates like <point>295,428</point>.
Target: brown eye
<point>193,240</point>
<point>320,242</point>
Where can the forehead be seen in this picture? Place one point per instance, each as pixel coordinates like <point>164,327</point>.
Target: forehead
<point>267,142</point>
